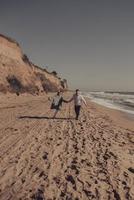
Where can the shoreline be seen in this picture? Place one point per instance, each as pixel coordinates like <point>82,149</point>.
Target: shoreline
<point>120,118</point>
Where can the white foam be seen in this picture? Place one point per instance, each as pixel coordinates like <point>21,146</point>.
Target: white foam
<point>108,100</point>
<point>129,101</point>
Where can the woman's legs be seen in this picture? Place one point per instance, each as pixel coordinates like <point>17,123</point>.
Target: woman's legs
<point>55,113</point>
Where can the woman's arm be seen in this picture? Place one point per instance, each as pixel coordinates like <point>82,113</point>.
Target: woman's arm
<point>64,100</point>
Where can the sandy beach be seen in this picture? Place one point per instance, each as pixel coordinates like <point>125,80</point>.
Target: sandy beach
<point>57,159</point>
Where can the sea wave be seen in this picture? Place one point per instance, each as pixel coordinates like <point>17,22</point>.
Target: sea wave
<point>119,101</point>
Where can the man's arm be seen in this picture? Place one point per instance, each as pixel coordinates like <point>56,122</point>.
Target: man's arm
<point>84,100</point>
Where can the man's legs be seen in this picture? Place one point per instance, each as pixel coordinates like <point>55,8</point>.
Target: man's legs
<point>77,111</point>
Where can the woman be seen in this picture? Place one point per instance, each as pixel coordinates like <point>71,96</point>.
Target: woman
<point>57,103</point>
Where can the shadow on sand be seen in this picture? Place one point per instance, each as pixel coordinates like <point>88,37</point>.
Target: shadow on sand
<point>44,117</point>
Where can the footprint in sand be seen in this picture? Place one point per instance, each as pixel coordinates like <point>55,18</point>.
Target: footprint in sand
<point>43,175</point>
<point>57,180</point>
<point>45,156</point>
<point>36,169</point>
<point>74,167</point>
<point>131,169</point>
<point>62,194</point>
<point>74,161</point>
<point>116,195</point>
<point>70,179</point>
<point>39,195</point>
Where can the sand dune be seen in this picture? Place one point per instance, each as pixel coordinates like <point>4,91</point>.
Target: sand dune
<point>44,158</point>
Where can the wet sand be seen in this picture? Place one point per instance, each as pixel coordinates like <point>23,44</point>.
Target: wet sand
<point>92,158</point>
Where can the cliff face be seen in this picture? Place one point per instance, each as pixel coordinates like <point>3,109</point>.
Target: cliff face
<point>18,74</point>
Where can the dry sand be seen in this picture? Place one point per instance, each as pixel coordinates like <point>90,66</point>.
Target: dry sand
<point>92,158</point>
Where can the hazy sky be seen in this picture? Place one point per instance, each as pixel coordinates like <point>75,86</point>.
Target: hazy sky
<point>88,42</point>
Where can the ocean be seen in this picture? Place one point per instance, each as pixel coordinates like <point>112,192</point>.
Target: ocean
<point>123,101</point>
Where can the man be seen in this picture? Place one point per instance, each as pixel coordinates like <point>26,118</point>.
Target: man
<point>78,99</point>
<point>57,103</point>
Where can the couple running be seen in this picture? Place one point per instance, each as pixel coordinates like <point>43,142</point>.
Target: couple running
<point>77,98</point>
